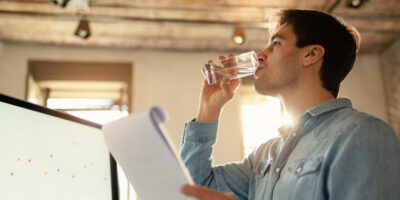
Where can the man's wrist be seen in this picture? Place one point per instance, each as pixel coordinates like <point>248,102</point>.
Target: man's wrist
<point>200,132</point>
<point>208,115</point>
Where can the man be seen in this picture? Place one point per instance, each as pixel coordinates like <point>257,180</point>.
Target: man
<point>332,151</point>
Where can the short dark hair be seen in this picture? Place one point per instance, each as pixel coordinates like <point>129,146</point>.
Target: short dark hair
<point>340,40</point>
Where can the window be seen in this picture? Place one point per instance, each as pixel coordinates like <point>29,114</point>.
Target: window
<point>98,92</point>
<point>100,111</point>
<point>261,118</point>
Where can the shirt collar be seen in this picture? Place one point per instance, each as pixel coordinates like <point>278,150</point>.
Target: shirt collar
<point>330,105</point>
<point>284,131</point>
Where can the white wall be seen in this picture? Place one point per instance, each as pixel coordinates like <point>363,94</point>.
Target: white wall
<point>364,85</point>
<point>168,79</point>
<point>1,47</point>
<point>173,80</point>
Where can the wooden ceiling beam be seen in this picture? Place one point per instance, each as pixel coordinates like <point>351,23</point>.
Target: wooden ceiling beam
<point>175,24</point>
<point>249,17</point>
<point>377,8</point>
<point>222,15</point>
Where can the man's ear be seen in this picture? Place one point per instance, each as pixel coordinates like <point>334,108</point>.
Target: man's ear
<point>313,54</point>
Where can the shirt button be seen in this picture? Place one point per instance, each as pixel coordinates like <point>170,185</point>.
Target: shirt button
<point>298,170</point>
<point>294,134</point>
<point>277,170</point>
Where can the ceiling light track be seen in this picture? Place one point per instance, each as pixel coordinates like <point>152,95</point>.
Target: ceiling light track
<point>257,25</point>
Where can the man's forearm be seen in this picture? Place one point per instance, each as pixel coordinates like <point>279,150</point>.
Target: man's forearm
<point>206,114</point>
<point>196,150</point>
<point>197,145</point>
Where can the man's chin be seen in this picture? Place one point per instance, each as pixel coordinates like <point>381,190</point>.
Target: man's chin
<point>264,90</point>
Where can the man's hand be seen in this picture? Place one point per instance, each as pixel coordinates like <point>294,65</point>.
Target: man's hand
<point>214,97</point>
<point>202,193</point>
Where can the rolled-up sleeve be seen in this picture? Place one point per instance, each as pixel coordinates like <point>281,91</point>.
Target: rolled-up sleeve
<point>196,149</point>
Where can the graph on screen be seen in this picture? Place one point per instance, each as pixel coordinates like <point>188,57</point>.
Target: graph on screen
<point>46,157</point>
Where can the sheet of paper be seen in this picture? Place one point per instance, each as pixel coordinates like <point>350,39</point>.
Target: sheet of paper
<point>143,149</point>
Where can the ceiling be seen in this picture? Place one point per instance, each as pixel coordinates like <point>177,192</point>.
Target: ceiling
<point>196,25</point>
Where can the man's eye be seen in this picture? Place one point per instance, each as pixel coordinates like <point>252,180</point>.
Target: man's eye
<point>275,43</point>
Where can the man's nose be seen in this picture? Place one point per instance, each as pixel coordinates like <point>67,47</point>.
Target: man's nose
<point>260,57</point>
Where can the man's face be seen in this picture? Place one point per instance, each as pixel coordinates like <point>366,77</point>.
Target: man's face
<point>279,63</point>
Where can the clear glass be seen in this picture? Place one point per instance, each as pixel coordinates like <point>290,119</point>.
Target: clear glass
<point>235,67</point>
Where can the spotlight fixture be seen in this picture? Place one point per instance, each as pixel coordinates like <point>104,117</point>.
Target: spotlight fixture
<point>355,3</point>
<point>62,3</point>
<point>83,29</point>
<point>238,36</point>
<point>78,5</point>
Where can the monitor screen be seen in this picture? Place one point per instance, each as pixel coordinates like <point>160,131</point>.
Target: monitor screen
<point>45,154</point>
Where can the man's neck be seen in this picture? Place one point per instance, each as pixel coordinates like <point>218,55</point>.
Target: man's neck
<point>297,102</point>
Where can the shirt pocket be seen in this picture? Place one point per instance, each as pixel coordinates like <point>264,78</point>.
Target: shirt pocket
<point>259,181</point>
<point>303,176</point>
<point>262,169</point>
<point>306,166</point>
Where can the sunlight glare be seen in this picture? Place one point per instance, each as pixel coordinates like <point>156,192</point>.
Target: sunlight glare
<point>261,122</point>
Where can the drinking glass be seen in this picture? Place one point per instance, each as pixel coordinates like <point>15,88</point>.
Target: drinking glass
<point>239,66</point>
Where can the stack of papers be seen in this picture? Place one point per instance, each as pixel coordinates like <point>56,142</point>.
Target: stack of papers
<point>144,151</point>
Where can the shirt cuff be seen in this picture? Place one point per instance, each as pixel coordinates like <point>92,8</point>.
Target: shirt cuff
<point>200,132</point>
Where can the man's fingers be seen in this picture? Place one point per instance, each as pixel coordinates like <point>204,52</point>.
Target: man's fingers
<point>228,61</point>
<point>196,191</point>
<point>231,195</point>
<point>234,84</point>
<point>230,87</point>
<point>202,193</point>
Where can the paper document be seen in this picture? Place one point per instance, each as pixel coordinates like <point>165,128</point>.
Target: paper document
<point>143,150</point>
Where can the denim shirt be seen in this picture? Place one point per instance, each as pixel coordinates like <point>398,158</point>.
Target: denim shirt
<point>333,152</point>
